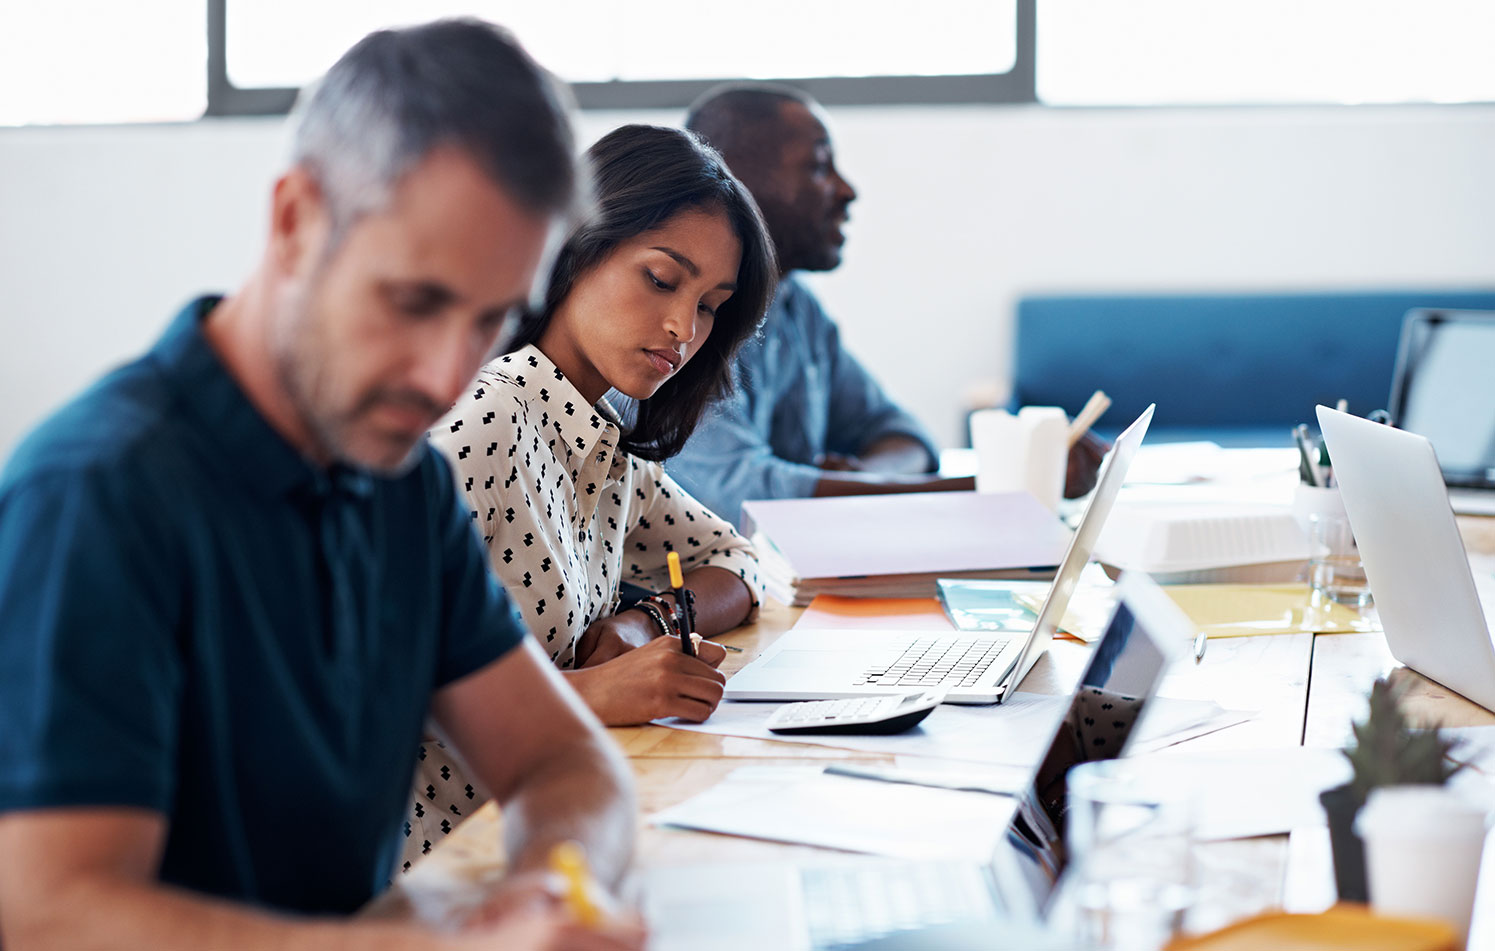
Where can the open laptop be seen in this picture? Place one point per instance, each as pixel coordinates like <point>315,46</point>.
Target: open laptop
<point>1441,389</point>
<point>973,666</point>
<point>1419,573</point>
<point>836,903</point>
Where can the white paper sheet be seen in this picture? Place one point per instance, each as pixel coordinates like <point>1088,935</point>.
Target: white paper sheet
<point>1013,733</point>
<point>1236,795</point>
<point>802,804</point>
<point>1252,792</point>
<point>1191,463</point>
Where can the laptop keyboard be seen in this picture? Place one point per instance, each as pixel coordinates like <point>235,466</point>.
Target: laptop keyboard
<point>846,905</point>
<point>935,661</point>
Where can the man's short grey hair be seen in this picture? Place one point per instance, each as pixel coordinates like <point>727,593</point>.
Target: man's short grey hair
<point>399,94</point>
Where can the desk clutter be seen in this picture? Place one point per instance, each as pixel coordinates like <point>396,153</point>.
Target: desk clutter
<point>896,841</point>
<point>1236,571</point>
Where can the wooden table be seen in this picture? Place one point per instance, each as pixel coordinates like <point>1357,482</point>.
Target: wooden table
<point>1308,687</point>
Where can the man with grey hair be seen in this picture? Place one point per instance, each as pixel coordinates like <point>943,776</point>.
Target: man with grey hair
<point>235,582</point>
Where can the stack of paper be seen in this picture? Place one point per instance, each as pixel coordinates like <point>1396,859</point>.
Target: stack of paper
<point>898,545</point>
<point>1193,543</point>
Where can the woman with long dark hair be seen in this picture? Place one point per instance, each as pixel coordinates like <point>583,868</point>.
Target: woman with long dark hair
<point>649,298</point>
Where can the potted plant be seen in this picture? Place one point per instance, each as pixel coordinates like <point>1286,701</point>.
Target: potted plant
<point>1387,752</point>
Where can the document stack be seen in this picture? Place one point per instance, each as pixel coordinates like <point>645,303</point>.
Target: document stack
<point>898,545</point>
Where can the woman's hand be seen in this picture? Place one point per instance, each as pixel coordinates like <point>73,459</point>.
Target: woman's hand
<point>609,637</point>
<point>652,681</point>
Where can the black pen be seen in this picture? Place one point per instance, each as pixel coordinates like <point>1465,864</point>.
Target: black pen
<point>1306,471</point>
<point>690,608</point>
<point>682,608</point>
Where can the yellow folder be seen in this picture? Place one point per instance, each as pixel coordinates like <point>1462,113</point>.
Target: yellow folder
<point>1238,610</point>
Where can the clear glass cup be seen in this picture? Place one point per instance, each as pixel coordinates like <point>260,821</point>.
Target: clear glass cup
<point>1131,850</point>
<point>1334,567</point>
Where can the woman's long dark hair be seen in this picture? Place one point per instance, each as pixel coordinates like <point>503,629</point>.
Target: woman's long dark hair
<point>642,176</point>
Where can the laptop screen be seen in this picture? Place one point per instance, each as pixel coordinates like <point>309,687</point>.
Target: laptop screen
<point>1442,390</point>
<point>1082,544</point>
<point>1125,668</point>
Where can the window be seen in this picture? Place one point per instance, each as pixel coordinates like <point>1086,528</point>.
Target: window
<point>88,61</point>
<point>1184,52</point>
<point>290,42</point>
<point>97,61</point>
<point>626,55</point>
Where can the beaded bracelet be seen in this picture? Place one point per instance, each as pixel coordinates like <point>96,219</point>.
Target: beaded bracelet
<point>658,613</point>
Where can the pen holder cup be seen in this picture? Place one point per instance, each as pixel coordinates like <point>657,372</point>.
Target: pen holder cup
<point>1334,567</point>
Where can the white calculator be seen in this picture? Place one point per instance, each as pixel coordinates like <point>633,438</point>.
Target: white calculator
<point>893,713</point>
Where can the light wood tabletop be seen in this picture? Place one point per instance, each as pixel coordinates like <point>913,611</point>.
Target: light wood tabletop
<point>1308,689</point>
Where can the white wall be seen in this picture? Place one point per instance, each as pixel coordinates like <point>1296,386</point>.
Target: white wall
<point>105,231</point>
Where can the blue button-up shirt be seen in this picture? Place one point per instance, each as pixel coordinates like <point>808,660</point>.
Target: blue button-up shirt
<point>798,396</point>
<point>196,621</point>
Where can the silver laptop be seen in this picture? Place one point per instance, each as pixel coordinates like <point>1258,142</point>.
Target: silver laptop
<point>1442,390</point>
<point>1415,562</point>
<point>973,666</point>
<point>837,903</point>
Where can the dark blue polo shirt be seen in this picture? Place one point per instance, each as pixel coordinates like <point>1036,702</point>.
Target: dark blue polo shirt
<point>196,621</point>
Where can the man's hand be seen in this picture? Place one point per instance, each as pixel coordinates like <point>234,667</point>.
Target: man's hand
<point>834,462</point>
<point>554,929</point>
<point>529,911</point>
<point>1084,465</point>
<point>656,680</point>
<point>85,878</point>
<point>609,637</point>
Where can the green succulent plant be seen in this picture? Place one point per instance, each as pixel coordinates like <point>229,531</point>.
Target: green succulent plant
<point>1388,752</point>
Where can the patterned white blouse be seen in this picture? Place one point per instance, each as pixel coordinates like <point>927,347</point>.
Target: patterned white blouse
<point>566,516</point>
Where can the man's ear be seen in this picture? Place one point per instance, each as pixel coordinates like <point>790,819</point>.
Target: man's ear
<point>299,223</point>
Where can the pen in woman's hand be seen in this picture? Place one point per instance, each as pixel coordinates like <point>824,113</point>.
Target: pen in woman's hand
<point>682,615</point>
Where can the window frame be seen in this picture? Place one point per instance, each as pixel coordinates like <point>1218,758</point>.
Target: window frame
<point>1018,85</point>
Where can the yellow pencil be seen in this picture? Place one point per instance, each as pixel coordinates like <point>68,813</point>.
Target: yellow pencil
<point>569,860</point>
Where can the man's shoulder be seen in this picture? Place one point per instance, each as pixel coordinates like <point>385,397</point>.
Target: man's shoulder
<point>127,419</point>
<point>795,303</point>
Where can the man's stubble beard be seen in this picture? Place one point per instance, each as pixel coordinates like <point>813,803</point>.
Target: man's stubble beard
<point>300,353</point>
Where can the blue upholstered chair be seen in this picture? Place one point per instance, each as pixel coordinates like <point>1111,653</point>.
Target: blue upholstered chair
<point>1240,369</point>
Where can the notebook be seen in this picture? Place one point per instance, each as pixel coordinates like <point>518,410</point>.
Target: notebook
<point>975,667</point>
<point>897,545</point>
<point>836,904</point>
<point>1414,559</point>
<point>1441,390</point>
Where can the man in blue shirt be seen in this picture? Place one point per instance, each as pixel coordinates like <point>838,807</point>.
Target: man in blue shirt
<point>234,582</point>
<point>806,419</point>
